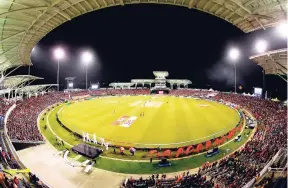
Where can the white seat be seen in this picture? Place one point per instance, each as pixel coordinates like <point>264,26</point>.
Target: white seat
<point>88,168</point>
<point>65,155</point>
<point>85,163</point>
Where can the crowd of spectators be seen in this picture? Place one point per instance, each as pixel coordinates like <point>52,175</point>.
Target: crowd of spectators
<point>233,171</point>
<point>20,181</point>
<point>4,106</point>
<point>22,122</point>
<point>128,91</point>
<point>199,93</point>
<point>182,180</point>
<point>242,166</point>
<point>7,158</point>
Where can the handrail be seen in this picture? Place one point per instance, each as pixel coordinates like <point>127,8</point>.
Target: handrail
<point>264,170</point>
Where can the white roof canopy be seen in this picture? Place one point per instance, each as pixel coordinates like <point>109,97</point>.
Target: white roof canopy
<point>18,81</point>
<point>145,81</point>
<point>35,88</point>
<point>179,81</point>
<point>273,62</point>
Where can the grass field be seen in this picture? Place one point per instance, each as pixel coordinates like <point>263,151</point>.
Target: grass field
<point>123,166</point>
<point>167,122</point>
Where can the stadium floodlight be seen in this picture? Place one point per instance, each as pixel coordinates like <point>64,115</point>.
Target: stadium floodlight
<point>87,57</point>
<point>59,54</point>
<point>261,46</point>
<point>234,54</point>
<point>282,29</point>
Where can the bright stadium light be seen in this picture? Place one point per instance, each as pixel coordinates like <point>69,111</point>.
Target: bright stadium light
<point>282,29</point>
<point>59,54</point>
<point>234,54</point>
<point>261,46</point>
<point>87,57</point>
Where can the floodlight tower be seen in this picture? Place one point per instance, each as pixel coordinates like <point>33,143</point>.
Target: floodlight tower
<point>59,54</point>
<point>86,58</point>
<point>234,54</point>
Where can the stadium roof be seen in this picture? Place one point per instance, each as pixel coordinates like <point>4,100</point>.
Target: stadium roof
<point>24,22</point>
<point>273,62</point>
<point>146,81</point>
<point>123,84</point>
<point>18,81</point>
<point>35,88</point>
<point>161,73</point>
<point>177,81</point>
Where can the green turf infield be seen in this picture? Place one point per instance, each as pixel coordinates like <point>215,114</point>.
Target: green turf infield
<point>167,121</point>
<point>126,163</point>
<point>120,164</point>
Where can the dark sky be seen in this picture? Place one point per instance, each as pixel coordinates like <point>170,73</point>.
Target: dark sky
<point>131,41</point>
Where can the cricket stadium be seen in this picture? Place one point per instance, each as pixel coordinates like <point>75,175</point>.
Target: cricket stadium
<point>156,131</point>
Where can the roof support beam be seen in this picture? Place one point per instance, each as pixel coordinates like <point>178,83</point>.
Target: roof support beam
<point>190,5</point>
<point>62,13</point>
<point>241,6</point>
<point>105,3</point>
<point>22,10</point>
<point>15,35</point>
<point>79,3</point>
<point>56,2</point>
<point>282,77</point>
<point>95,1</point>
<point>90,6</point>
<point>268,6</point>
<point>249,3</point>
<point>205,6</point>
<point>259,22</point>
<point>9,59</point>
<point>46,2</point>
<point>9,50</point>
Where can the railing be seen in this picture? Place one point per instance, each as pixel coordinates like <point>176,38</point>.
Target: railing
<point>26,141</point>
<point>264,170</point>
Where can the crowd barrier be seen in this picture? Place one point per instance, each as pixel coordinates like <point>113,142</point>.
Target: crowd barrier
<point>264,170</point>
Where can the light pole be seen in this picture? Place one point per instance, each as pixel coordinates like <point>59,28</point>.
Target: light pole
<point>58,54</point>
<point>86,58</point>
<point>234,55</point>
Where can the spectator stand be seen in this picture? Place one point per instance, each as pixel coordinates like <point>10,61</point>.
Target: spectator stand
<point>15,165</point>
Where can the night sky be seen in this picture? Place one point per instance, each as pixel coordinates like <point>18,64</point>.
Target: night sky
<point>131,41</point>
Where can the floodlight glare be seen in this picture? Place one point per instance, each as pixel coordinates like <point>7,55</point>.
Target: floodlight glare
<point>59,53</point>
<point>87,57</point>
<point>234,53</point>
<point>282,29</point>
<point>261,46</point>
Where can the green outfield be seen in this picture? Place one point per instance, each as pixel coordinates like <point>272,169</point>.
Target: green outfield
<point>167,121</point>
